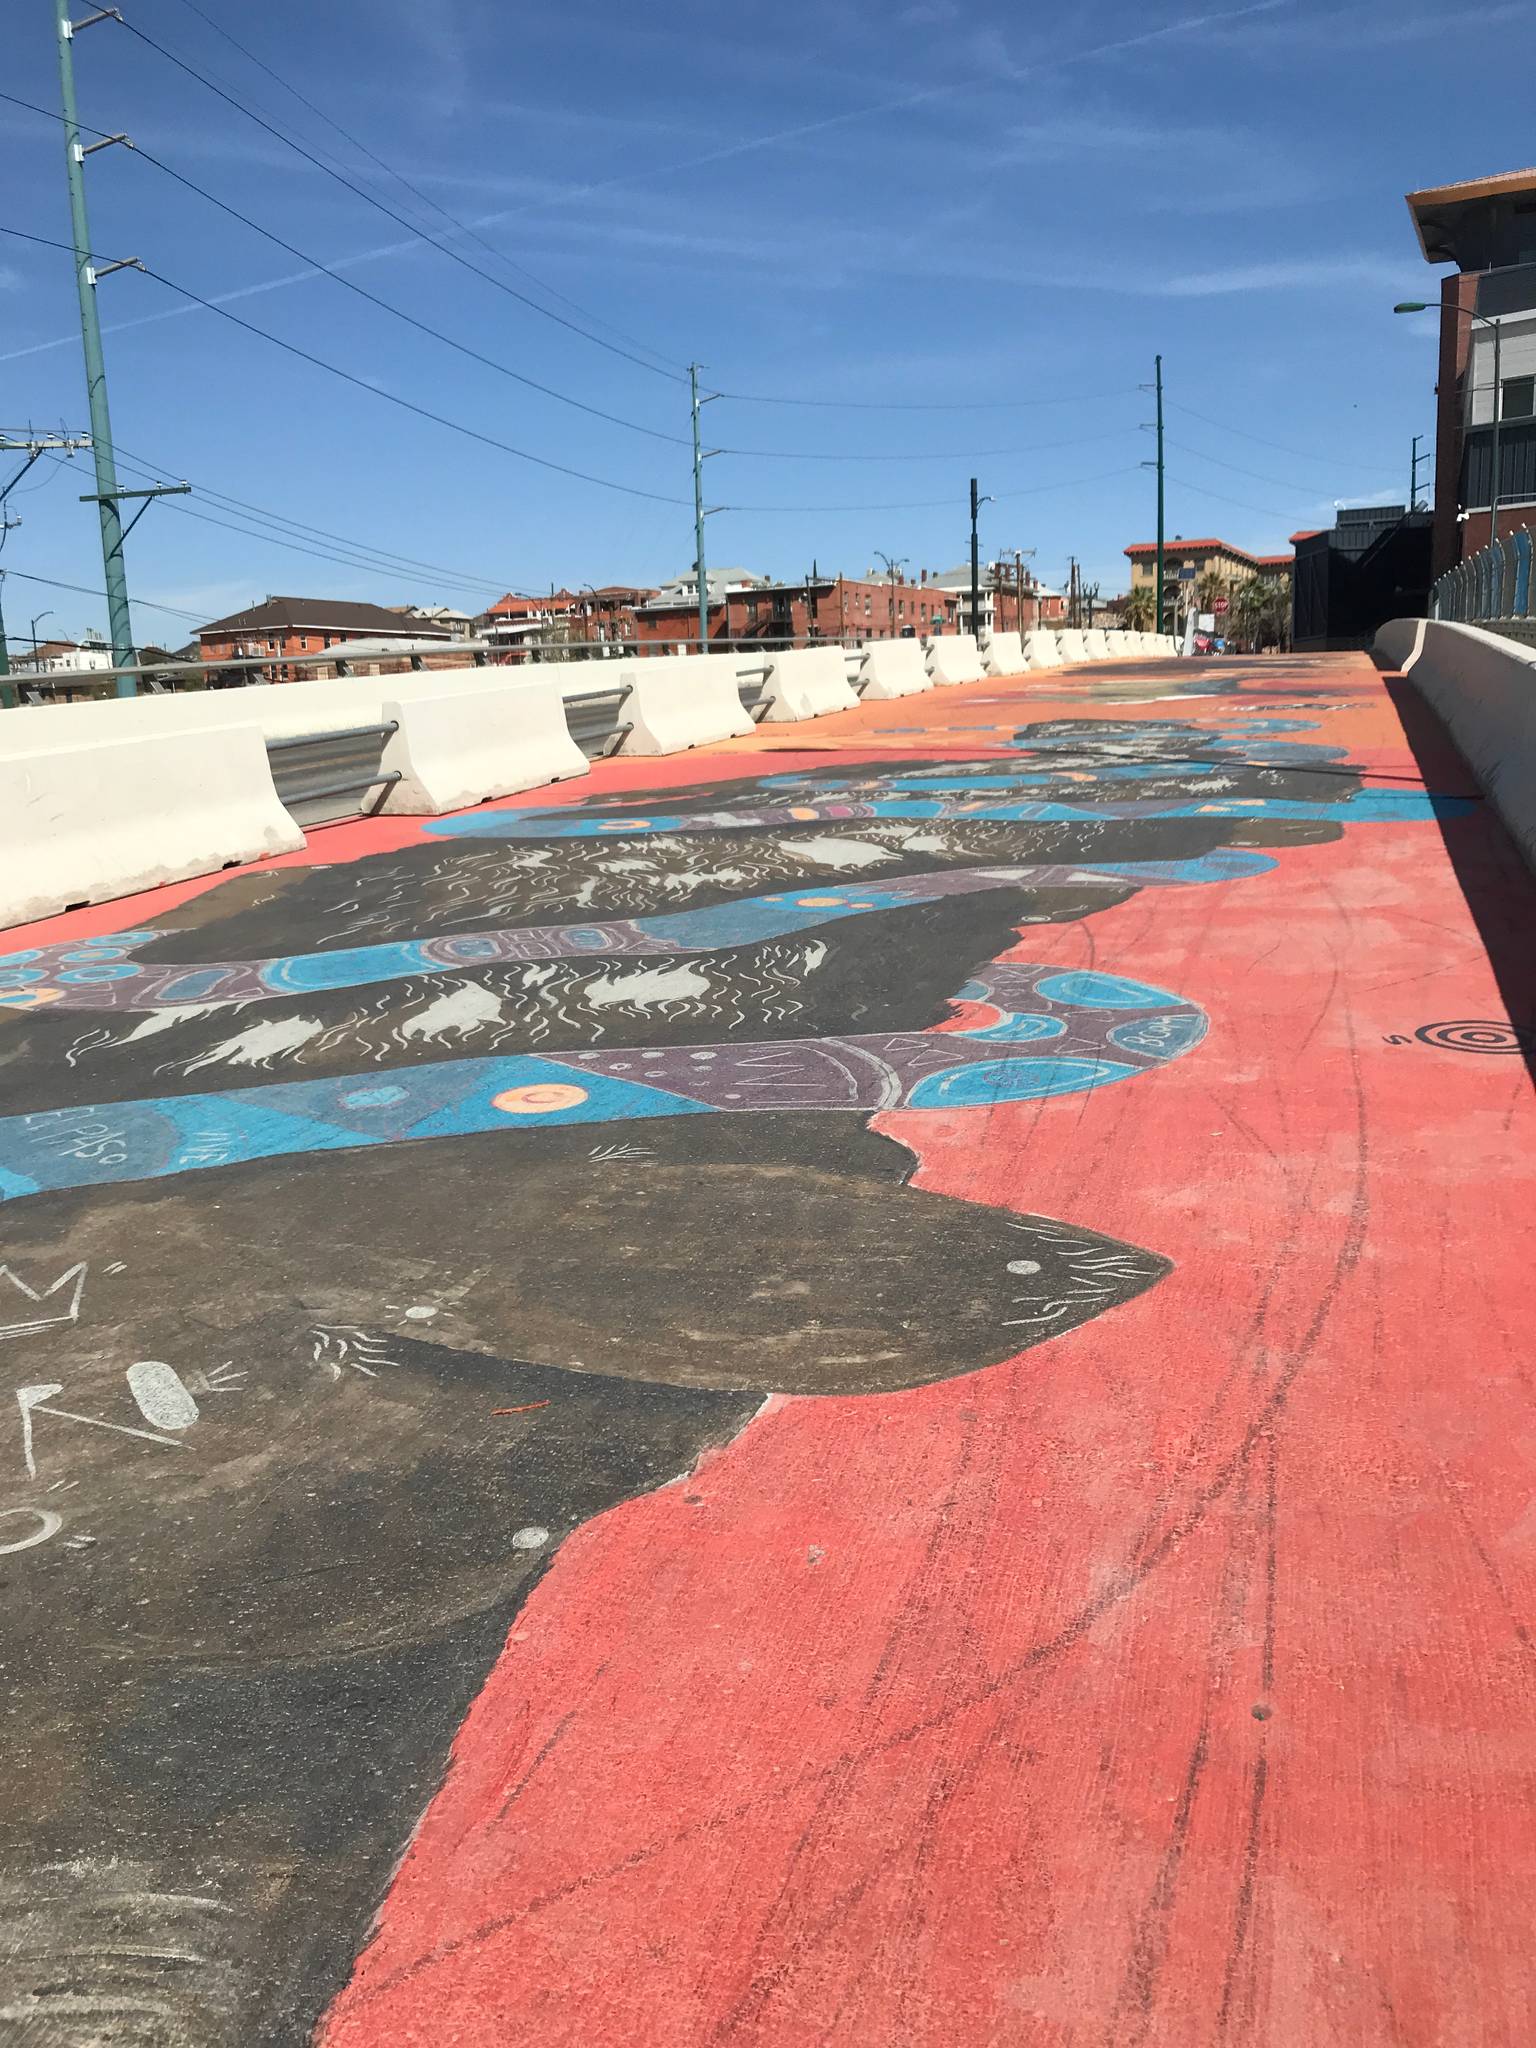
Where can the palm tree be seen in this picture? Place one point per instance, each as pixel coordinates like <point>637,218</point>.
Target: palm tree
<point>1138,609</point>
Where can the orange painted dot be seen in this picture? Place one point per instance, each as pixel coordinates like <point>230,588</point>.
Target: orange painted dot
<point>623,824</point>
<point>803,811</point>
<point>819,902</point>
<point>539,1098</point>
<point>28,998</point>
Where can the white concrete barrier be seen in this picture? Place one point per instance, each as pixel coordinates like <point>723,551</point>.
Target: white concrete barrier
<point>1483,688</point>
<point>1040,646</point>
<point>456,748</point>
<point>892,668</point>
<point>679,701</point>
<point>281,710</point>
<point>98,819</point>
<point>955,658</point>
<point>1003,655</point>
<point>806,682</point>
<point>1072,644</point>
<point>1096,641</point>
<point>1122,645</point>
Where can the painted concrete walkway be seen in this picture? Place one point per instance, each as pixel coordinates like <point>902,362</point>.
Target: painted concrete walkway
<point>1095,1603</point>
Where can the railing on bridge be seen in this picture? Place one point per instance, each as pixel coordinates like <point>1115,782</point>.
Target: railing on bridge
<point>1492,588</point>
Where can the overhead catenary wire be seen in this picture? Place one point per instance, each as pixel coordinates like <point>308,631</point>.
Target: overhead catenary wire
<point>362,384</point>
<point>344,554</point>
<point>423,198</point>
<point>84,590</point>
<point>413,228</point>
<point>361,291</point>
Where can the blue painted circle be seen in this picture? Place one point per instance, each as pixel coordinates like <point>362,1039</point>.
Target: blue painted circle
<point>9,960</point>
<point>990,1081</point>
<point>18,977</point>
<point>1160,1038</point>
<point>97,949</point>
<point>1085,990</point>
<point>90,974</point>
<point>1019,1028</point>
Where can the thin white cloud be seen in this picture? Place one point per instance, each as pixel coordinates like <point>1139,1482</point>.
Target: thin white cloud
<point>1298,274</point>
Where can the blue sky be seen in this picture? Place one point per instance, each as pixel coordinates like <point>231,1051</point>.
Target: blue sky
<point>1003,211</point>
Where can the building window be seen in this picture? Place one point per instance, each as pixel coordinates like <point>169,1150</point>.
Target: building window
<point>1519,398</point>
<point>866,605</point>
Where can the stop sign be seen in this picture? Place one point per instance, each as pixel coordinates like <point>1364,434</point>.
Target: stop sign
<point>1220,605</point>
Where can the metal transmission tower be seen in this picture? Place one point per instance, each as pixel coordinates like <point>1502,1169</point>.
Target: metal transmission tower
<point>106,496</point>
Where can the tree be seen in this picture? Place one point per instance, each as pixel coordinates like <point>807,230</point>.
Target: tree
<point>1262,611</point>
<point>1211,586</point>
<point>1138,609</point>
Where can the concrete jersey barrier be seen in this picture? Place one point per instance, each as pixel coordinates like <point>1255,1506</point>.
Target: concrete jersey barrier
<point>459,747</point>
<point>1096,642</point>
<point>892,668</point>
<point>98,819</point>
<point>806,682</point>
<point>1003,655</point>
<point>1483,688</point>
<point>679,701</point>
<point>1041,649</point>
<point>1072,645</point>
<point>955,658</point>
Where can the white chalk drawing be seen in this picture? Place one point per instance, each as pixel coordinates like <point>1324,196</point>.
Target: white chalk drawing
<point>163,1397</point>
<point>47,1524</point>
<point>342,1347</point>
<point>34,1401</point>
<point>221,1379</point>
<point>26,1312</point>
<point>604,1153</point>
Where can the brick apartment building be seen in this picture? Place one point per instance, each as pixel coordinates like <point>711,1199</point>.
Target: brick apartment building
<point>748,611</point>
<point>286,626</point>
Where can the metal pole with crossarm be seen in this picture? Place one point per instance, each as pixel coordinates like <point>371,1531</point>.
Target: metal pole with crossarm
<point>86,275</point>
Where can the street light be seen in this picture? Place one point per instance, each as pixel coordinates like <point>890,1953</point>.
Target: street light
<point>976,505</point>
<point>892,564</point>
<point>1480,320</point>
<point>33,637</point>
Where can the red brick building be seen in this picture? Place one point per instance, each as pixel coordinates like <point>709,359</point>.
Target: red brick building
<point>830,608</point>
<point>285,626</point>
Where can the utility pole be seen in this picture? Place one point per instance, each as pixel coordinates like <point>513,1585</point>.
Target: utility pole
<point>701,511</point>
<point>32,446</point>
<point>975,563</point>
<point>7,688</point>
<point>1159,382</point>
<point>892,564</point>
<point>86,276</point>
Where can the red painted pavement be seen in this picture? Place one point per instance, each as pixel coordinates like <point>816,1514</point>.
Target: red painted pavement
<point>1171,1684</point>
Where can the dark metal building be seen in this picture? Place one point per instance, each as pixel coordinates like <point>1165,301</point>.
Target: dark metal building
<point>1371,566</point>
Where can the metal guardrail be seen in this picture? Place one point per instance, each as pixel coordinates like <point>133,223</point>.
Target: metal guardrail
<point>348,762</point>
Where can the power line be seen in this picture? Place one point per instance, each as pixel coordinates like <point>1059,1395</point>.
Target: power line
<point>929,504</point>
<point>1284,483</point>
<point>405,564</point>
<point>1200,491</point>
<point>1225,427</point>
<point>361,291</point>
<point>369,565</point>
<point>940,455</point>
<point>915,405</point>
<point>413,228</point>
<point>425,198</point>
<point>362,384</point>
<point>84,590</point>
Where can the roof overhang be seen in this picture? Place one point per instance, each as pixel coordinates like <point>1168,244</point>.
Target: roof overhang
<point>1440,211</point>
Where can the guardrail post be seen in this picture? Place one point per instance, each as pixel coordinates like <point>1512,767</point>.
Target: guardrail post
<point>1521,607</point>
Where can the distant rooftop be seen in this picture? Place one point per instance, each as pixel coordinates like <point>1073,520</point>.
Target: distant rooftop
<point>322,615</point>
